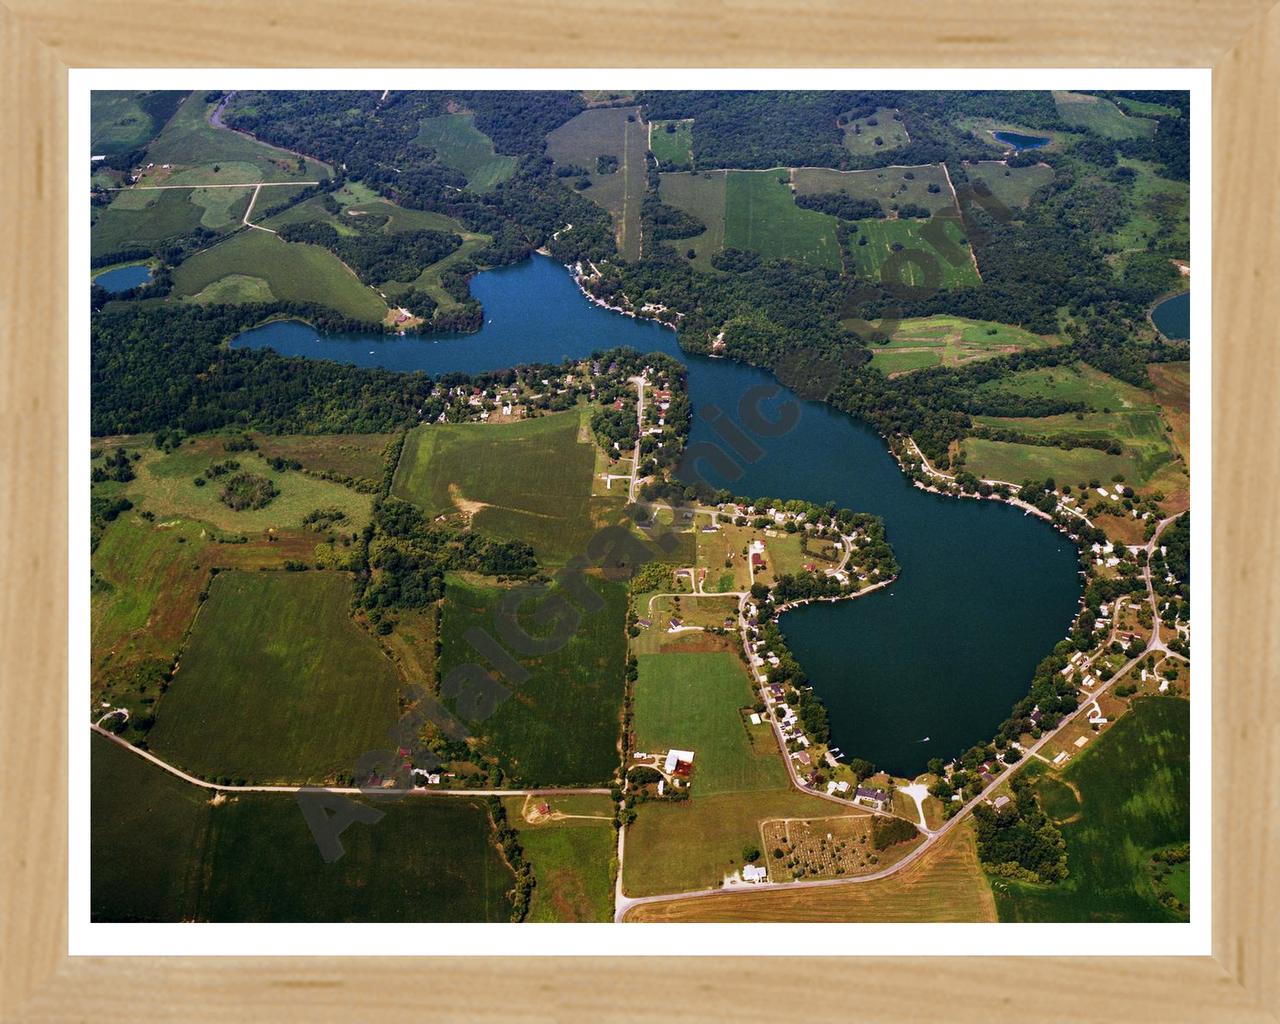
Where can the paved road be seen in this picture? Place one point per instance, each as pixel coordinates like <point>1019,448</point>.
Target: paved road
<point>242,184</point>
<point>626,903</point>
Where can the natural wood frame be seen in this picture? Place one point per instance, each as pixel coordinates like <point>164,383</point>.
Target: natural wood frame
<point>40,39</point>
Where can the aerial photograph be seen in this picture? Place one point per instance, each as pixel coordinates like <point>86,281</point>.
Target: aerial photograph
<point>639,506</point>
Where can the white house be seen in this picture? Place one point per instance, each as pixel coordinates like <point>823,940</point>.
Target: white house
<point>754,873</point>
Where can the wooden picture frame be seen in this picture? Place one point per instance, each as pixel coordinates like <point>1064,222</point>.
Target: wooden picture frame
<point>41,39</point>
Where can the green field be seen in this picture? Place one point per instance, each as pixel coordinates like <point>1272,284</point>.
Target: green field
<point>561,726</point>
<point>143,218</point>
<point>702,195</point>
<point>1160,213</point>
<point>165,484</point>
<point>860,134</point>
<point>1012,186</point>
<point>761,215</point>
<point>277,683</point>
<point>160,851</point>
<point>1115,410</point>
<point>918,261</point>
<point>889,186</point>
<point>292,271</point>
<point>122,121</point>
<point>950,341</point>
<point>672,148</point>
<point>459,144</point>
<point>607,131</point>
<point>528,480</point>
<point>1100,115</point>
<point>692,702</point>
<point>193,148</point>
<point>572,858</point>
<point>1134,798</point>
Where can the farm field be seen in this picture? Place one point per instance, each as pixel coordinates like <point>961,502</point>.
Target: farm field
<point>860,134</point>
<point>528,480</point>
<point>947,884</point>
<point>889,186</point>
<point>950,341</point>
<point>672,148</point>
<point>1133,789</point>
<point>292,271</point>
<point>144,218</point>
<point>1101,116</point>
<point>1116,411</point>
<point>459,144</point>
<point>561,725</point>
<point>701,194</point>
<point>194,148</point>
<point>1173,395</point>
<point>165,484</point>
<point>122,121</point>
<point>694,702</point>
<point>277,683</point>
<point>761,215</point>
<point>162,850</point>
<point>1012,186</point>
<point>608,131</point>
<point>918,261</point>
<point>572,857</point>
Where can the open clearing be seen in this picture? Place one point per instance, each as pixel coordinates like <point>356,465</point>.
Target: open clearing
<point>1012,186</point>
<point>671,142</point>
<point>608,131</point>
<point>950,341</point>
<point>761,215</point>
<point>1159,211</point>
<point>1100,115</point>
<point>922,254</point>
<point>160,851</point>
<point>702,195</point>
<point>150,217</point>
<point>889,186</point>
<point>122,121</point>
<point>528,480</point>
<point>572,856</point>
<point>459,144</point>
<point>946,884</point>
<point>875,133</point>
<point>277,683</point>
<point>1134,798</point>
<point>293,271</point>
<point>561,726</point>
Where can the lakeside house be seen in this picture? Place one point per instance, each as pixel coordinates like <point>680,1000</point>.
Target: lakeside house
<point>878,797</point>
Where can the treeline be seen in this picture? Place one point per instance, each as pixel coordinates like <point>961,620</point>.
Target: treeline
<point>1019,841</point>
<point>378,257</point>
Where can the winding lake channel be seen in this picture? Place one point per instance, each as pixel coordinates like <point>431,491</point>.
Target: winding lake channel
<point>924,668</point>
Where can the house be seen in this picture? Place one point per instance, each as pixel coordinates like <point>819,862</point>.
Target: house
<point>803,758</point>
<point>876,796</point>
<point>753,873</point>
<point>757,560</point>
<point>755,718</point>
<point>644,623</point>
<point>678,760</point>
<point>834,787</point>
<point>1000,802</point>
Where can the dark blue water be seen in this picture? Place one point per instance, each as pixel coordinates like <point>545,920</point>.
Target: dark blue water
<point>944,653</point>
<point>1172,317</point>
<point>123,278</point>
<point>1019,141</point>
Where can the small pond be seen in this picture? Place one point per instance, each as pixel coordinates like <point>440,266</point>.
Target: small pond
<point>121,279</point>
<point>1019,141</point>
<point>1172,317</point>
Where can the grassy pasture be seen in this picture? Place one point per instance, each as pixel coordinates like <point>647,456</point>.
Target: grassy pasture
<point>950,341</point>
<point>675,147</point>
<point>860,134</point>
<point>292,271</point>
<point>947,884</point>
<point>889,186</point>
<point>529,480</point>
<point>571,858</point>
<point>1002,460</point>
<point>143,218</point>
<point>354,455</point>
<point>607,131</point>
<point>277,683</point>
<point>692,702</point>
<point>1100,115</point>
<point>1173,395</point>
<point>161,851</point>
<point>561,726</point>
<point>761,215</point>
<point>459,144</point>
<point>122,121</point>
<point>920,261</point>
<point>165,484</point>
<point>1160,211</point>
<point>1134,798</point>
<point>1012,186</point>
<point>192,146</point>
<point>701,194</point>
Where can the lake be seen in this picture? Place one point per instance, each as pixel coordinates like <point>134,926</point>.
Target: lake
<point>924,668</point>
<point>121,279</point>
<point>1172,317</point>
<point>1019,141</point>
